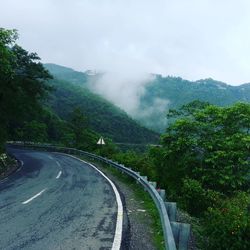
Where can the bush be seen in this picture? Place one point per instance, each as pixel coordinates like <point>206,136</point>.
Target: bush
<point>195,199</point>
<point>138,162</point>
<point>228,226</point>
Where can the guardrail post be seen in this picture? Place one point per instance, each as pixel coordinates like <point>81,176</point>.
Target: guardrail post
<point>153,183</point>
<point>171,210</point>
<point>162,193</point>
<point>122,167</point>
<point>138,180</point>
<point>184,236</point>
<point>181,232</point>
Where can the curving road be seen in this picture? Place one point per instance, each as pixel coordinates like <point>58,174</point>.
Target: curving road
<point>56,202</point>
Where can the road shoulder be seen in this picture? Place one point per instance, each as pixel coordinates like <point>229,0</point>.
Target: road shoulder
<point>142,233</point>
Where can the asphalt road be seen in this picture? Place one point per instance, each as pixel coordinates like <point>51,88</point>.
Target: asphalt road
<point>56,202</point>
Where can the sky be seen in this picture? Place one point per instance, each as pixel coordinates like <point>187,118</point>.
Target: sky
<point>193,39</point>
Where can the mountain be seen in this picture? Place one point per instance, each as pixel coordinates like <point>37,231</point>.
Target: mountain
<point>67,74</point>
<point>162,93</point>
<point>103,117</point>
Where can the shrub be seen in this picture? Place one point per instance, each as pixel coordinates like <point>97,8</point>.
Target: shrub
<point>228,225</point>
<point>195,199</point>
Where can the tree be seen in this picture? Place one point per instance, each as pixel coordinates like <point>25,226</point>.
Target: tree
<point>228,225</point>
<point>23,84</point>
<point>210,144</point>
<point>35,131</point>
<point>79,126</point>
<point>84,138</point>
<point>7,38</point>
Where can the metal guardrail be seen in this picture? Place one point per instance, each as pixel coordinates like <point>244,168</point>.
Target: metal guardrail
<point>175,234</point>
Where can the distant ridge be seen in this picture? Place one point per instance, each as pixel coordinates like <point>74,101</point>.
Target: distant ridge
<point>163,93</point>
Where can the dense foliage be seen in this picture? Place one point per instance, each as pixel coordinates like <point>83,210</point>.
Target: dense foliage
<point>66,74</point>
<point>22,85</point>
<point>227,226</point>
<point>213,143</point>
<point>204,164</point>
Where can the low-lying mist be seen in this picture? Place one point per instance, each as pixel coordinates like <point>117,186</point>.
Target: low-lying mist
<point>123,90</point>
<point>126,90</point>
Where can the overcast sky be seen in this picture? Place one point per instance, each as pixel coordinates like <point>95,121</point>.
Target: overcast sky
<point>193,39</point>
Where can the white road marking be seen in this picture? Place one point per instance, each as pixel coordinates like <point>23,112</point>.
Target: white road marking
<point>118,231</point>
<point>58,164</point>
<point>141,210</point>
<point>33,197</point>
<point>21,163</point>
<point>50,157</point>
<point>59,174</point>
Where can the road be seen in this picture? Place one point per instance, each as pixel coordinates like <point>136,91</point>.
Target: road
<point>56,202</point>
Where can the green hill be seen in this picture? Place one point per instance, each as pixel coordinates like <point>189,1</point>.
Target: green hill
<point>67,74</point>
<point>176,92</point>
<point>103,117</point>
<point>163,93</point>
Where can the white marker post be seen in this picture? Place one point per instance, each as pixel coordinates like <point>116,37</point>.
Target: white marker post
<point>101,141</point>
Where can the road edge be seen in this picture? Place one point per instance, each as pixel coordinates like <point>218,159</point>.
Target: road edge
<point>119,220</point>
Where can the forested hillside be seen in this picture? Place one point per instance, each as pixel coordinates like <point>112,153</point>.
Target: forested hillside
<point>102,116</point>
<point>176,92</point>
<point>67,74</point>
<point>164,93</point>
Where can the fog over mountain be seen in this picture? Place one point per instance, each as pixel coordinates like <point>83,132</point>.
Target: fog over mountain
<point>149,100</point>
<point>123,90</point>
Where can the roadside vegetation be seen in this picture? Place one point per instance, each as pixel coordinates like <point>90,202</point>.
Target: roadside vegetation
<point>7,164</point>
<point>204,165</point>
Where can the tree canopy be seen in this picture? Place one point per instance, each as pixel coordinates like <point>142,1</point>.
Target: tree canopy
<point>210,144</point>
<point>204,163</point>
<point>23,83</point>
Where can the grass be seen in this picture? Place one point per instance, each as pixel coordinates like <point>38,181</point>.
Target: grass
<point>140,195</point>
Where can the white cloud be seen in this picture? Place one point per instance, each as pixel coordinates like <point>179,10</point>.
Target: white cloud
<point>193,39</point>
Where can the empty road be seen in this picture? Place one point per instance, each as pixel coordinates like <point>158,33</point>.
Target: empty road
<point>57,202</point>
